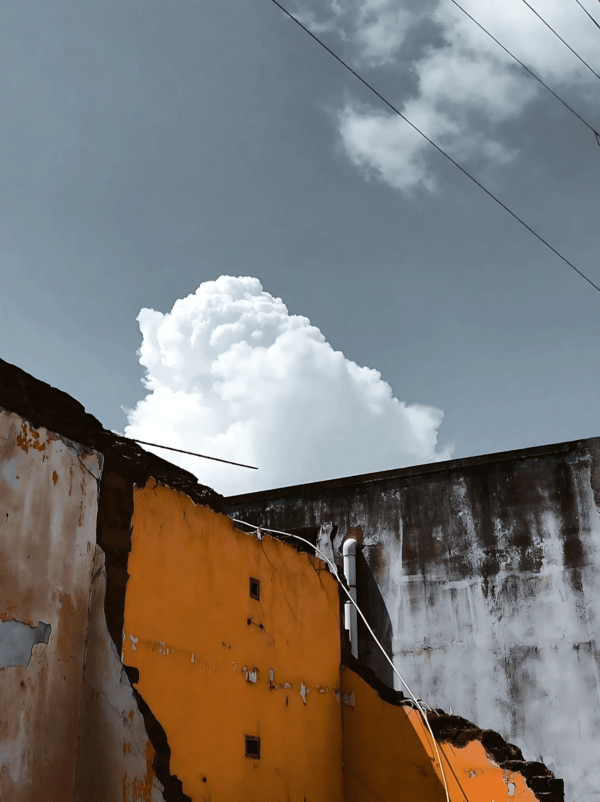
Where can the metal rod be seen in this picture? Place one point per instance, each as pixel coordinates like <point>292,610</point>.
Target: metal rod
<point>193,453</point>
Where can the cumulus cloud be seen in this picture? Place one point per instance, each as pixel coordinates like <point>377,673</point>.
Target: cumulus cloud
<point>231,373</point>
<point>460,86</point>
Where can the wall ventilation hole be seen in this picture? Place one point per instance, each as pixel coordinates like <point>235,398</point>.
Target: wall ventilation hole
<point>254,588</point>
<point>253,747</point>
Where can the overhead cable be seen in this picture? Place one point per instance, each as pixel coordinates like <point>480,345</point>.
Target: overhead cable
<point>419,703</point>
<point>588,13</point>
<point>525,67</point>
<point>437,147</point>
<point>193,454</point>
<point>547,24</point>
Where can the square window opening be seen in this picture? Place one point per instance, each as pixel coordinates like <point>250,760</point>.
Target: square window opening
<point>253,747</point>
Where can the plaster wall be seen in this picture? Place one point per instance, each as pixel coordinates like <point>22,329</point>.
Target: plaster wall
<point>482,577</point>
<point>389,757</point>
<point>48,505</point>
<point>114,760</point>
<point>216,665</point>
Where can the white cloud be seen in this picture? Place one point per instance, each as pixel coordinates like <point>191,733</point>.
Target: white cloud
<point>232,374</point>
<point>464,85</point>
<point>381,29</point>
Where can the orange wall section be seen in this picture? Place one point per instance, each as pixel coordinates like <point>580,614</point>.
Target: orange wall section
<point>388,757</point>
<point>196,636</point>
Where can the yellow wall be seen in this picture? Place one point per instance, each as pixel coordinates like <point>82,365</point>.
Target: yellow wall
<point>186,630</point>
<point>388,757</point>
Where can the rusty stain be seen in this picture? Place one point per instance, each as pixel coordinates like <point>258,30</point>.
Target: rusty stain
<point>142,789</point>
<point>30,438</point>
<point>54,477</point>
<point>12,617</point>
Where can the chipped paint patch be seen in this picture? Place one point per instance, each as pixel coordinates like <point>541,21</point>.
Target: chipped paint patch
<point>303,692</point>
<point>134,642</point>
<point>30,438</point>
<point>17,641</point>
<point>8,471</point>
<point>349,699</point>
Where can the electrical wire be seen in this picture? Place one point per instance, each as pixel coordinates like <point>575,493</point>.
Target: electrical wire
<point>588,13</point>
<point>192,453</point>
<point>334,571</point>
<point>437,147</point>
<point>525,67</point>
<point>561,39</point>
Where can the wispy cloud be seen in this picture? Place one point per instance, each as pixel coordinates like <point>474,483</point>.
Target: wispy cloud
<point>463,86</point>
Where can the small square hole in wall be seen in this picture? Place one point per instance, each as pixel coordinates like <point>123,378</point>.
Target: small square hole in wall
<point>254,588</point>
<point>253,747</point>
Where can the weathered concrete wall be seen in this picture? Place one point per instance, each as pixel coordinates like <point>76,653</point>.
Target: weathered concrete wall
<point>48,505</point>
<point>482,577</point>
<point>216,664</point>
<point>70,728</point>
<point>114,761</point>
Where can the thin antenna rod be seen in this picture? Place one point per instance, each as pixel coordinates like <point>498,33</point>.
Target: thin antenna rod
<point>193,454</point>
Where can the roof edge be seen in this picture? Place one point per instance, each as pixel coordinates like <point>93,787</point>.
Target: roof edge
<point>413,470</point>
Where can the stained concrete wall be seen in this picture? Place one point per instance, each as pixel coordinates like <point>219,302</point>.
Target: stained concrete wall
<point>482,577</point>
<point>115,756</point>
<point>70,728</point>
<point>48,505</point>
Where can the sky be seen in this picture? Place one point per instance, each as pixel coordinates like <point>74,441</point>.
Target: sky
<point>148,149</point>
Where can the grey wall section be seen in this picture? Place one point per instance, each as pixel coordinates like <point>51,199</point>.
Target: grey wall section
<point>115,757</point>
<point>70,728</point>
<point>48,507</point>
<point>482,576</point>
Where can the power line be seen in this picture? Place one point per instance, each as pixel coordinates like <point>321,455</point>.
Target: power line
<point>588,13</point>
<point>437,147</point>
<point>192,453</point>
<point>525,67</point>
<point>561,39</point>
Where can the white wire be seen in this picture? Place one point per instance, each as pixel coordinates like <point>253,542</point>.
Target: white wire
<point>334,570</point>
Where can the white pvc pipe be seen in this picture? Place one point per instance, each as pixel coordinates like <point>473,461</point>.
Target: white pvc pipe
<point>350,616</point>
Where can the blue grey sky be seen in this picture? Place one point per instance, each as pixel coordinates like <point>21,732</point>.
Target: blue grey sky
<point>147,147</point>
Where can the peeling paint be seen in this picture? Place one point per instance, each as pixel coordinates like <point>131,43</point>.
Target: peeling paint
<point>17,641</point>
<point>349,699</point>
<point>46,564</point>
<point>30,438</point>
